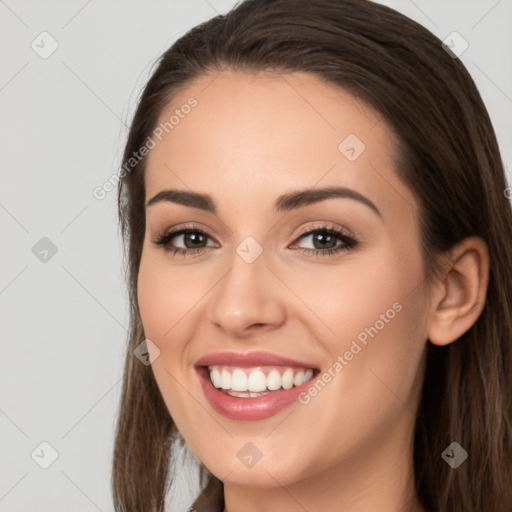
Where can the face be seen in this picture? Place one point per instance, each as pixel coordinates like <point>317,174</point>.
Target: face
<point>332,282</point>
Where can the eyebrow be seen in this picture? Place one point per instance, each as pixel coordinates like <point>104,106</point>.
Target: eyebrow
<point>284,203</point>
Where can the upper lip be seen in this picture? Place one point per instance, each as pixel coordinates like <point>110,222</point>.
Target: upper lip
<point>249,359</point>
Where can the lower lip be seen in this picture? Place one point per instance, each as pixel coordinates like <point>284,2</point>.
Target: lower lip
<point>259,408</point>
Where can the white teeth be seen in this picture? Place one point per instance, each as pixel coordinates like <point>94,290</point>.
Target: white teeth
<point>216,378</point>
<point>246,394</point>
<point>226,380</point>
<point>273,380</point>
<point>298,379</point>
<point>257,381</point>
<point>239,381</point>
<point>287,379</point>
<point>253,382</point>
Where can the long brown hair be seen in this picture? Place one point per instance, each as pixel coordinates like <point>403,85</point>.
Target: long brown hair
<point>449,158</point>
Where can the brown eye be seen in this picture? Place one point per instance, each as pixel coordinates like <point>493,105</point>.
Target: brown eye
<point>192,239</point>
<point>325,241</point>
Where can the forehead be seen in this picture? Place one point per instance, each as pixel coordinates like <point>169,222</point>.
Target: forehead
<point>261,134</point>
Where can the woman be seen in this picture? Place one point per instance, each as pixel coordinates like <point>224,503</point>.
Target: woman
<point>375,377</point>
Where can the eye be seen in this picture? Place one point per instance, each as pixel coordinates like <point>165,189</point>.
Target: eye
<point>324,240</point>
<point>191,237</point>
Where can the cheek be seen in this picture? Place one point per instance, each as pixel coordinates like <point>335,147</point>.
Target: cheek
<point>377,377</point>
<point>164,296</point>
<point>350,297</point>
<point>371,315</point>
<point>154,305</point>
<point>163,303</point>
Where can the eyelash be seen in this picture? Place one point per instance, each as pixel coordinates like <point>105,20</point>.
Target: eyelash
<point>350,243</point>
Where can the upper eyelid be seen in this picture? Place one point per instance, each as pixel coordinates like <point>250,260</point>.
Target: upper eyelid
<point>326,225</point>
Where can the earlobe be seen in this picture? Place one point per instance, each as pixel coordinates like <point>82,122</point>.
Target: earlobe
<point>462,292</point>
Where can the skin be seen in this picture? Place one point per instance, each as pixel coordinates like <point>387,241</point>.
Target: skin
<point>250,139</point>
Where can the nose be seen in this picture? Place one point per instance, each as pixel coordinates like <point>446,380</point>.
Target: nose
<point>247,299</point>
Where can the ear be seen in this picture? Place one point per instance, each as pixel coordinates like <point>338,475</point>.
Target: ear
<point>460,295</point>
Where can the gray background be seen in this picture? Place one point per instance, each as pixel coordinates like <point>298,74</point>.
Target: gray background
<point>63,321</point>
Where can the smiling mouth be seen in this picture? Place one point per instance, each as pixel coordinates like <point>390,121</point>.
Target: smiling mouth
<point>253,382</point>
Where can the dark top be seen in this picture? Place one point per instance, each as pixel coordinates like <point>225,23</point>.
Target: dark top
<point>211,498</point>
